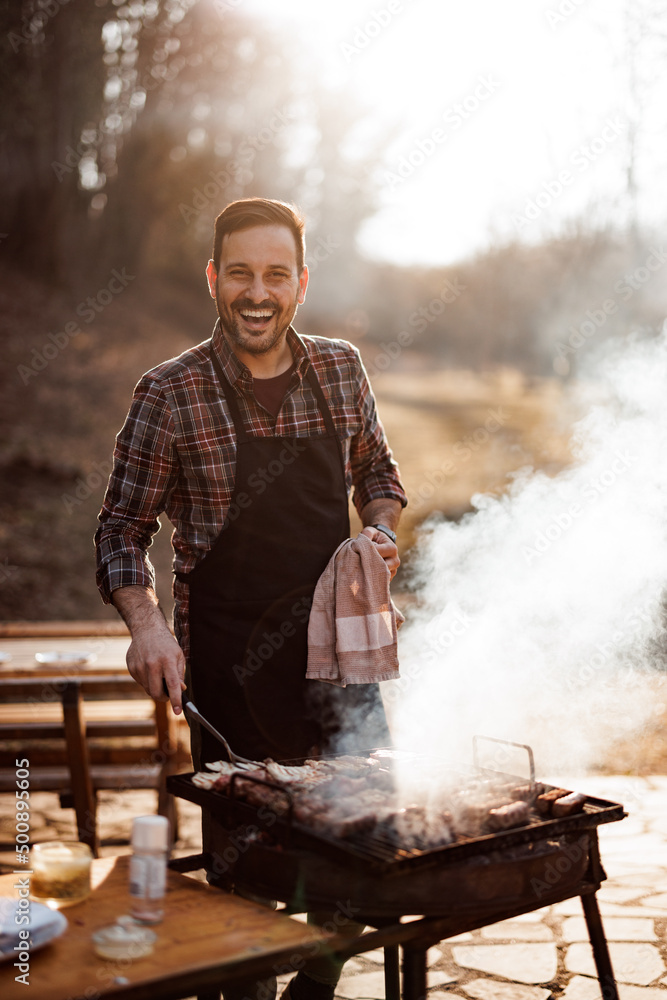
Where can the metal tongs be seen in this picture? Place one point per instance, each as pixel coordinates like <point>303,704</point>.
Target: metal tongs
<point>242,762</point>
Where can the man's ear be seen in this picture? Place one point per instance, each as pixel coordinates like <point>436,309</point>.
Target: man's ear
<point>212,278</point>
<point>303,284</point>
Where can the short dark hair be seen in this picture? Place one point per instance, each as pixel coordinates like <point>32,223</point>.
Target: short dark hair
<point>248,212</point>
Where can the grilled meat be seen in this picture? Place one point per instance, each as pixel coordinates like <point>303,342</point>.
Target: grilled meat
<point>348,796</point>
<point>545,802</point>
<point>568,804</point>
<point>512,814</point>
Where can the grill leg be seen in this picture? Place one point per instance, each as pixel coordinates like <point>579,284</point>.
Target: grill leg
<point>599,946</point>
<point>392,978</point>
<point>414,973</point>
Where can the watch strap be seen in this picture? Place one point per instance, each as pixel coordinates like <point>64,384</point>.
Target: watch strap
<point>387,531</point>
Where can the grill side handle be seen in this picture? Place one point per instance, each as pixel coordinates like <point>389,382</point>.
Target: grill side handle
<point>507,743</point>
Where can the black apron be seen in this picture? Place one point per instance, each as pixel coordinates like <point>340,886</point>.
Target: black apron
<point>250,600</point>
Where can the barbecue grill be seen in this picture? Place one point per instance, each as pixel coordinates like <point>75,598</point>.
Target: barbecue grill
<point>454,888</point>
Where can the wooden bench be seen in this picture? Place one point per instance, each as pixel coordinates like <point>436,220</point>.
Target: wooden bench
<point>74,765</point>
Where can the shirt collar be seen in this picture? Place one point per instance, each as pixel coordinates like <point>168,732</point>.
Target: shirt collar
<point>235,371</point>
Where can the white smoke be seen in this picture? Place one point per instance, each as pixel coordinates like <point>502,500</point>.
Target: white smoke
<point>537,612</point>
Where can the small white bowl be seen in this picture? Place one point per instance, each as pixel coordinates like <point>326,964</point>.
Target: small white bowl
<point>126,940</point>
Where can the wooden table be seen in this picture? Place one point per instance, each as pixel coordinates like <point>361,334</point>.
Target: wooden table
<point>207,938</point>
<point>107,642</point>
<point>48,711</point>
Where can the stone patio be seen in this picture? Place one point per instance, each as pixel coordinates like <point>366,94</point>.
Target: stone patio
<point>541,955</point>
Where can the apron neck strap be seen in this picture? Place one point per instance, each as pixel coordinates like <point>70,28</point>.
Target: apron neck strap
<point>230,396</point>
<point>228,391</point>
<point>314,383</point>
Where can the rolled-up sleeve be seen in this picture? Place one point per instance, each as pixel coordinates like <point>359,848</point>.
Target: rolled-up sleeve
<point>374,472</point>
<point>144,473</point>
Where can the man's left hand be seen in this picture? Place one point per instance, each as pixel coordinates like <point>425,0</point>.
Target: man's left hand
<point>385,547</point>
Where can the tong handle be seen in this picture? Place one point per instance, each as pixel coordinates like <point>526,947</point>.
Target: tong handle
<point>507,743</point>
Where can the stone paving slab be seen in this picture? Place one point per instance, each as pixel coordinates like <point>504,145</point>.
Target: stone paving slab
<point>362,985</point>
<point>583,988</point>
<point>376,956</point>
<point>638,964</point>
<point>573,908</point>
<point>568,908</point>
<point>524,963</point>
<point>514,930</point>
<point>352,967</point>
<point>651,881</point>
<point>365,984</point>
<point>615,928</point>
<point>632,910</point>
<point>486,989</point>
<point>615,894</point>
<point>438,977</point>
<point>651,855</point>
<point>532,916</point>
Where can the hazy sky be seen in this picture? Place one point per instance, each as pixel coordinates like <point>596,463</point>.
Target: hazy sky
<point>495,101</point>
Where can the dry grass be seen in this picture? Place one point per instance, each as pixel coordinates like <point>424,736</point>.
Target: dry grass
<point>643,752</point>
<point>458,433</point>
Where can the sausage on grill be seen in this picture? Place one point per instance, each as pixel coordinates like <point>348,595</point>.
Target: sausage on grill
<point>568,804</point>
<point>514,814</point>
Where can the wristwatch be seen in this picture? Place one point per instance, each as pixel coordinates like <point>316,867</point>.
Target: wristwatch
<point>383,527</point>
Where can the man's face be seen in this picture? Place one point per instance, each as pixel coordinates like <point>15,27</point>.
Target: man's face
<point>257,287</point>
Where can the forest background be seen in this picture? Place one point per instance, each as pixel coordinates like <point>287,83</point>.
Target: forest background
<point>126,127</point>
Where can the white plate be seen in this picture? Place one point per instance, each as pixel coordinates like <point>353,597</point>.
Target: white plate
<point>45,925</point>
<point>59,658</point>
<point>5,657</point>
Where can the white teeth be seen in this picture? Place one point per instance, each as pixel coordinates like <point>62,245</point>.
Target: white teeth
<point>257,313</point>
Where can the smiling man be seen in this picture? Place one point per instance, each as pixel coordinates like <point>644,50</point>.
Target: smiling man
<point>251,442</point>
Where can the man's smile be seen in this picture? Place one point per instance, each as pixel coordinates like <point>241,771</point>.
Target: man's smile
<point>256,319</point>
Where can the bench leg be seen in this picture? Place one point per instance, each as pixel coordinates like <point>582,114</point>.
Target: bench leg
<point>79,765</point>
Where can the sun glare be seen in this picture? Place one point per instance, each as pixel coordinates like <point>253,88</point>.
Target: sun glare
<point>489,105</point>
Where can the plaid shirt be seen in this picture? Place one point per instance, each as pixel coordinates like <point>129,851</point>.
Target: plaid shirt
<point>177,453</point>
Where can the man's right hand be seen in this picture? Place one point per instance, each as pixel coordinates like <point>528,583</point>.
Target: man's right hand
<point>153,654</point>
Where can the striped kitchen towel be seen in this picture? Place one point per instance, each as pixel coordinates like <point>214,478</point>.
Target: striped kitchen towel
<point>353,620</point>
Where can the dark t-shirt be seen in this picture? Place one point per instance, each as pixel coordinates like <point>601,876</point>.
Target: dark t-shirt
<point>270,392</point>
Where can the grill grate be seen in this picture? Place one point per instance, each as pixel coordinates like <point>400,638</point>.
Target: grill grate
<point>381,851</point>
